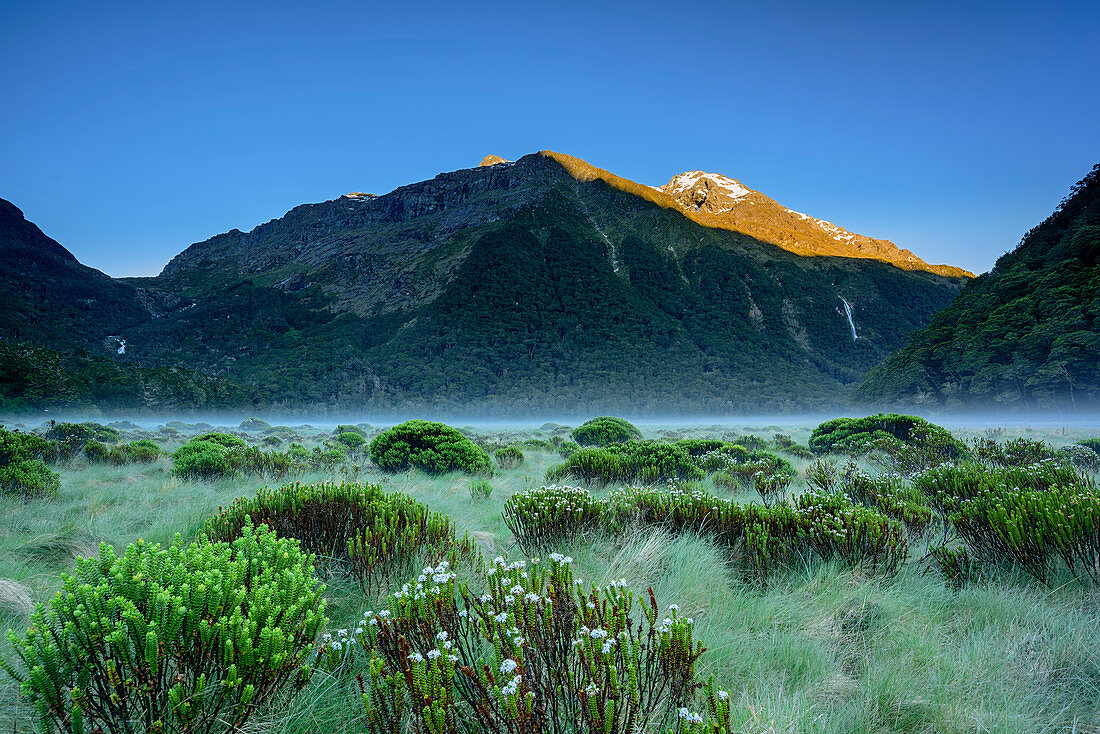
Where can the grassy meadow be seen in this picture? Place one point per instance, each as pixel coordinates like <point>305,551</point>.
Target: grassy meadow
<point>818,647</point>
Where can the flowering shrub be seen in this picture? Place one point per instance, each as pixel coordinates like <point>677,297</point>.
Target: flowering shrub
<point>1080,456</point>
<point>374,535</point>
<point>888,493</point>
<point>548,515</point>
<point>191,638</point>
<point>605,431</point>
<point>536,652</point>
<point>434,448</point>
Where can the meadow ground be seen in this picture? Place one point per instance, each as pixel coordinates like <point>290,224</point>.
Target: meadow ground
<point>816,649</point>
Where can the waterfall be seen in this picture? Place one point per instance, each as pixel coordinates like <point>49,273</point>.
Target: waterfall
<point>848,313</point>
<point>121,343</point>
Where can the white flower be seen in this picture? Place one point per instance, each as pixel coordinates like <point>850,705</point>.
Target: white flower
<point>416,657</point>
<point>675,608</point>
<point>442,635</point>
<point>485,598</point>
<point>724,695</point>
<point>502,617</point>
<point>508,666</point>
<point>433,654</point>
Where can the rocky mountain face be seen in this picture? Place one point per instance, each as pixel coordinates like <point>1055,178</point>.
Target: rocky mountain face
<point>1023,337</point>
<point>532,285</point>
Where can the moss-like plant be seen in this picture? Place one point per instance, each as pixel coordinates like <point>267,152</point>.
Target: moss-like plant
<point>194,638</point>
<point>434,448</point>
<point>605,431</point>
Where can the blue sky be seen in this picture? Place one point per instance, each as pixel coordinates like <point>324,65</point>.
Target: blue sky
<point>130,131</point>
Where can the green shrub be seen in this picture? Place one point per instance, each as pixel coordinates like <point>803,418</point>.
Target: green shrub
<point>1091,443</point>
<point>251,425</point>
<point>194,638</point>
<point>605,431</point>
<point>349,429</point>
<point>225,440</point>
<point>544,517</point>
<point>534,652</point>
<point>633,461</point>
<point>1017,452</point>
<point>434,448</point>
<point>567,448</point>
<point>22,470</point>
<point>859,435</point>
<point>80,433</point>
<point>1080,456</point>
<point>699,447</point>
<point>1029,518</point>
<point>140,451</point>
<point>725,456</point>
<point>373,535</point>
<point>29,477</point>
<point>201,459</point>
<point>252,460</point>
<point>480,489</point>
<point>508,457</point>
<point>352,440</point>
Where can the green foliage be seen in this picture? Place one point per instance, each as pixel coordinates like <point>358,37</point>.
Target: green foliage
<point>1091,443</point>
<point>1028,518</point>
<point>1080,456</point>
<point>888,493</point>
<point>633,461</point>
<point>22,470</point>
<point>81,433</point>
<point>567,448</point>
<point>353,440</point>
<point>1021,337</point>
<point>858,435</point>
<point>535,652</point>
<point>195,638</point>
<point>508,457</point>
<point>343,428</point>
<point>141,451</point>
<point>763,539</point>
<point>434,448</point>
<point>605,431</point>
<point>373,535</point>
<point>30,478</point>
<point>544,517</point>
<point>254,425</point>
<point>226,440</point>
<point>480,489</point>
<point>201,459</point>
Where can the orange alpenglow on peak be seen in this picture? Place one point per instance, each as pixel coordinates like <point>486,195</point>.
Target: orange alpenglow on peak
<point>717,201</point>
<point>492,160</point>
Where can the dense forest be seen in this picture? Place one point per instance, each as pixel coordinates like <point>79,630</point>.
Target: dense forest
<point>1024,336</point>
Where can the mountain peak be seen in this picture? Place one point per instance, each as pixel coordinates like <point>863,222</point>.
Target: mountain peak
<point>492,160</point>
<point>717,201</point>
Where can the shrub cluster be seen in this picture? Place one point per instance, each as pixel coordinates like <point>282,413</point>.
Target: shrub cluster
<point>542,517</point>
<point>434,448</point>
<point>534,652</point>
<point>212,456</point>
<point>605,431</point>
<point>508,457</point>
<point>887,431</point>
<point>759,538</point>
<point>633,461</point>
<point>193,638</point>
<point>141,451</point>
<point>1030,518</point>
<point>22,469</point>
<point>374,535</point>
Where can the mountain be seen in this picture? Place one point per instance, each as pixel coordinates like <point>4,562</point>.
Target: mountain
<point>526,286</point>
<point>714,200</point>
<point>1024,336</point>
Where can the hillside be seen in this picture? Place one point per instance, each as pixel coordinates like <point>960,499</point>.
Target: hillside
<point>518,286</point>
<point>1025,336</point>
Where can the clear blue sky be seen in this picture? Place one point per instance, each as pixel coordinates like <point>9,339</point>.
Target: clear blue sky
<point>129,131</point>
